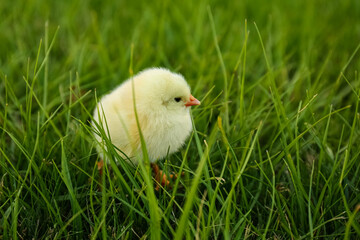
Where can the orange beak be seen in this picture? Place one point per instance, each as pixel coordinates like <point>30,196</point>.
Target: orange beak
<point>193,101</point>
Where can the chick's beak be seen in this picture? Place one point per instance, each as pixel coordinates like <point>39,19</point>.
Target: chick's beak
<point>193,101</point>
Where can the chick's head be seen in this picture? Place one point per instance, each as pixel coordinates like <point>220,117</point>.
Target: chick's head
<point>164,91</point>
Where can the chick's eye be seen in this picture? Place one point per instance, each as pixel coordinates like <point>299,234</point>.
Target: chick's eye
<point>177,99</point>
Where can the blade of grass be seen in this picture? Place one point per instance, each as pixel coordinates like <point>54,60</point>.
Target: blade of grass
<point>194,187</point>
<point>223,69</point>
<point>238,175</point>
<point>145,168</point>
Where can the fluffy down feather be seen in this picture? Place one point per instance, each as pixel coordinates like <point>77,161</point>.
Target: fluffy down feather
<point>162,103</point>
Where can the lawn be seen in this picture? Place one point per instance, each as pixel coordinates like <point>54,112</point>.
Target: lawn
<point>275,149</point>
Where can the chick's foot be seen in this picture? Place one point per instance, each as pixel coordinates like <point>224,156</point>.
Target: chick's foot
<point>161,177</point>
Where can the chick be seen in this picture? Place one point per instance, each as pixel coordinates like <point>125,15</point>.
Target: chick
<point>163,101</point>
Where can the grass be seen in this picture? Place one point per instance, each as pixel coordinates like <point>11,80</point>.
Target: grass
<point>275,148</point>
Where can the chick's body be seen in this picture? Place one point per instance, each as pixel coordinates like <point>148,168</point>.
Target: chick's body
<point>164,119</point>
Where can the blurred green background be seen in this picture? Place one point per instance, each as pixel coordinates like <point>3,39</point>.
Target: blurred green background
<point>305,92</point>
<point>97,35</point>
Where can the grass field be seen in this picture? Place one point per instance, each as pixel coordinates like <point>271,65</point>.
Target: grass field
<point>275,149</point>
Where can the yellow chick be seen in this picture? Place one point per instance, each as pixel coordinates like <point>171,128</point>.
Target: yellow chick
<point>163,101</point>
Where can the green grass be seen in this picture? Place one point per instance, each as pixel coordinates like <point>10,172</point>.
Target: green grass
<point>275,149</point>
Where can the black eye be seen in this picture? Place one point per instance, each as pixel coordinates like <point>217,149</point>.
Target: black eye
<point>177,99</point>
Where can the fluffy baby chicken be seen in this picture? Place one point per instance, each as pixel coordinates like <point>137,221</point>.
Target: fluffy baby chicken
<point>163,101</point>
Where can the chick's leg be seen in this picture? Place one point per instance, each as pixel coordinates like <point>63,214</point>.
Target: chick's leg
<point>100,165</point>
<point>160,176</point>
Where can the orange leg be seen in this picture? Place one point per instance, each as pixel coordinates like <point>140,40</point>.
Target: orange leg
<point>161,177</point>
<point>100,165</point>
